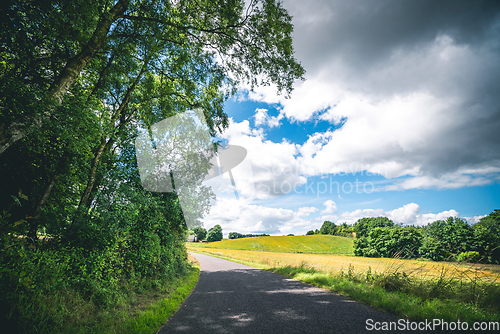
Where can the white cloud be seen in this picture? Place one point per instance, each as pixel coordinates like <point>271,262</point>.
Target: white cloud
<point>244,217</point>
<point>274,167</point>
<point>331,207</point>
<point>408,214</point>
<point>419,97</point>
<point>447,181</point>
<point>474,219</point>
<point>306,211</point>
<point>262,118</point>
<point>428,218</point>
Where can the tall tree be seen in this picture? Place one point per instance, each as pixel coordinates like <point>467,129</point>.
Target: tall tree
<point>215,233</point>
<point>79,77</point>
<point>250,43</point>
<point>487,237</point>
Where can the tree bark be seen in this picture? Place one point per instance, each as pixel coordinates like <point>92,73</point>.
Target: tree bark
<point>102,75</point>
<point>75,65</point>
<point>69,74</point>
<point>34,220</point>
<point>108,143</point>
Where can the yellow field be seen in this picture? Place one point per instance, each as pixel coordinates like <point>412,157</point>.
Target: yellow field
<point>334,264</point>
<point>310,244</point>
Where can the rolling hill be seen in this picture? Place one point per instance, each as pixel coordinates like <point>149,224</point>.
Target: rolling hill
<point>311,244</point>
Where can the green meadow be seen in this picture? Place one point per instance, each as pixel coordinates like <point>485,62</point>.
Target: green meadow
<point>309,244</point>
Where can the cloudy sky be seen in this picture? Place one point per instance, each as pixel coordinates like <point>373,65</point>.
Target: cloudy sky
<point>399,116</point>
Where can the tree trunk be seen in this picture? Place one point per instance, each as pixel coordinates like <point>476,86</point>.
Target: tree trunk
<point>69,74</point>
<point>34,221</point>
<point>109,143</point>
<point>72,70</point>
<point>102,75</point>
<point>93,170</point>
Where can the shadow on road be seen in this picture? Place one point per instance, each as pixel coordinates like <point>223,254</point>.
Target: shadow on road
<point>233,298</point>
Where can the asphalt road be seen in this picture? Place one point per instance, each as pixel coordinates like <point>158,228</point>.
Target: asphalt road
<point>234,298</point>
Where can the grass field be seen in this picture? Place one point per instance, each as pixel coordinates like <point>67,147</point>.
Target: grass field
<point>335,264</point>
<point>308,244</point>
<point>329,254</point>
<point>413,289</point>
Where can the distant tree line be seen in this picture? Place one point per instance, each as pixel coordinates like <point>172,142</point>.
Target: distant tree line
<point>452,239</point>
<point>342,230</point>
<point>199,232</point>
<point>213,234</point>
<point>236,235</point>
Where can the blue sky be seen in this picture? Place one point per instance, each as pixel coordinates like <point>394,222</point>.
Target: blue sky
<point>398,117</point>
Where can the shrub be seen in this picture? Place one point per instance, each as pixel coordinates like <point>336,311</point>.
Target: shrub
<point>215,233</point>
<point>389,242</point>
<point>471,256</point>
<point>200,233</point>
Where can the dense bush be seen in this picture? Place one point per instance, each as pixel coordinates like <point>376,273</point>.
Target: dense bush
<point>487,237</point>
<point>452,239</point>
<point>328,227</point>
<point>471,256</point>
<point>215,233</point>
<point>389,242</point>
<point>364,225</point>
<point>200,233</point>
<point>140,236</point>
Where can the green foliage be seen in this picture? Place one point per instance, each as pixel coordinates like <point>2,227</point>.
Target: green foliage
<point>343,230</point>
<point>77,80</point>
<point>364,225</point>
<point>471,256</point>
<point>327,228</point>
<point>133,240</point>
<point>487,237</point>
<point>236,235</point>
<point>200,233</point>
<point>433,249</point>
<point>452,239</point>
<point>389,242</point>
<point>445,239</point>
<point>311,232</point>
<point>215,233</point>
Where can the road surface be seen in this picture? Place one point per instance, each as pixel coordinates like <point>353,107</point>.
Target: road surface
<point>234,298</point>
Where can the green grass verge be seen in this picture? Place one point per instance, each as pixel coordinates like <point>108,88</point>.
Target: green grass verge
<point>400,295</point>
<point>143,306</point>
<point>156,314</point>
<point>311,244</point>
